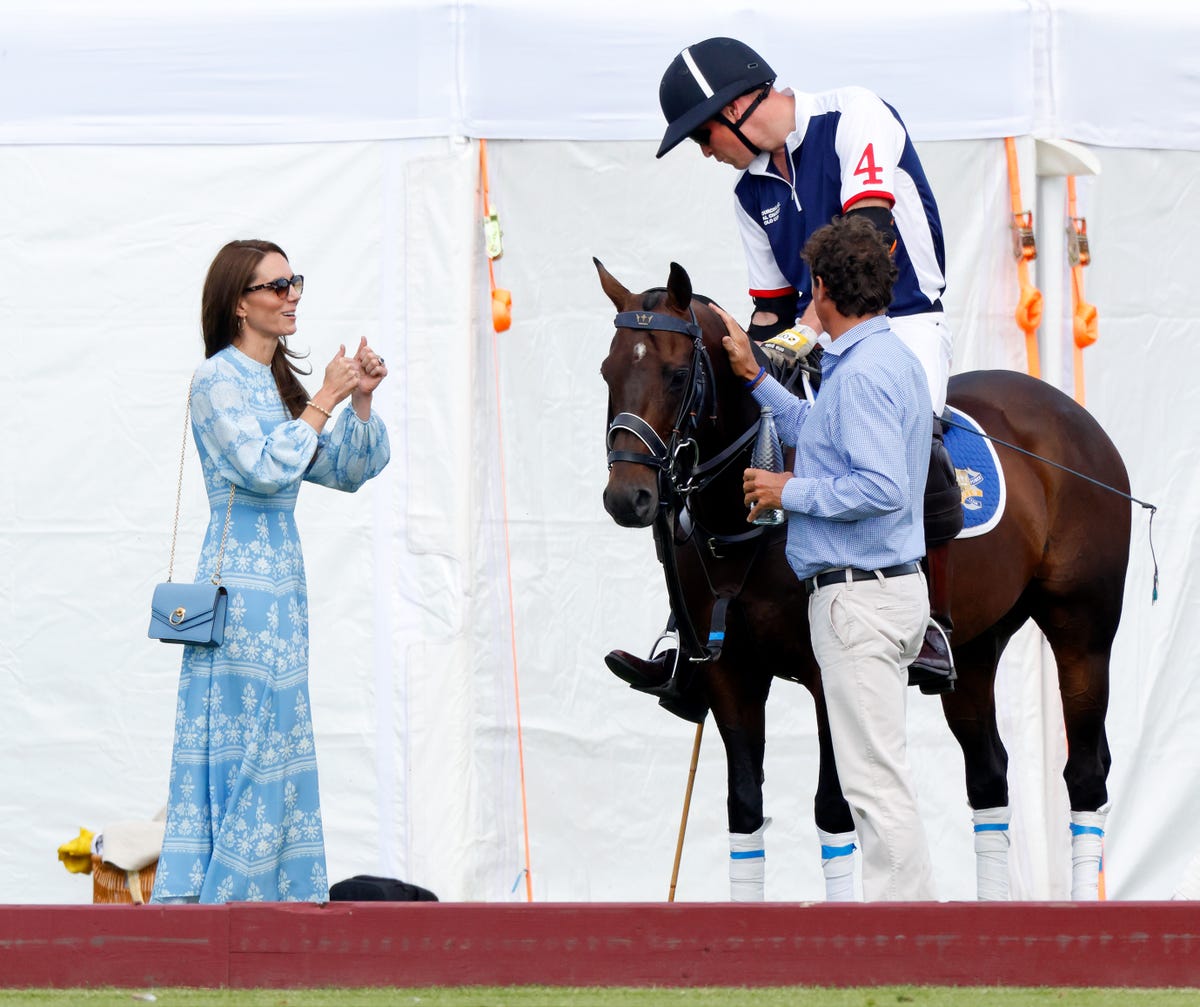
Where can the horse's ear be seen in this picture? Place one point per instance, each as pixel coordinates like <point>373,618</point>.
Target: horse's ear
<point>612,286</point>
<point>679,287</point>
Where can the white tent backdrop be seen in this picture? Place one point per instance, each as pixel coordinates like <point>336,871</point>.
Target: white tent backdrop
<point>136,141</point>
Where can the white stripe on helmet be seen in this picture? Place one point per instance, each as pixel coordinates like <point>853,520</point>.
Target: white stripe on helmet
<point>695,71</point>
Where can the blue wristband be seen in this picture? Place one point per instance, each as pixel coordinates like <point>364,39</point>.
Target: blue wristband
<point>757,378</point>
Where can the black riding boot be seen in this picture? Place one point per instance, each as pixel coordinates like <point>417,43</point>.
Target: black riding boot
<point>933,669</point>
<point>658,677</point>
<point>639,672</point>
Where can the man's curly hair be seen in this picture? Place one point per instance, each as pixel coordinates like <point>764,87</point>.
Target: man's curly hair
<point>850,256</point>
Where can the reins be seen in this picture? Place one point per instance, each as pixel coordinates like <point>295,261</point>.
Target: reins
<point>1070,471</point>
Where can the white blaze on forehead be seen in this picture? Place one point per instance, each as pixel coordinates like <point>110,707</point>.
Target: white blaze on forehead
<point>639,351</point>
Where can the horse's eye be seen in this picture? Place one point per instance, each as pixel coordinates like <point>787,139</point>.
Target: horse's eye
<point>679,379</point>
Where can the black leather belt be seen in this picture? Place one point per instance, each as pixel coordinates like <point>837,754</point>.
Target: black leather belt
<point>849,573</point>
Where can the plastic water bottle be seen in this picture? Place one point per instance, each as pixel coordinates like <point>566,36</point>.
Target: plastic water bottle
<point>768,455</point>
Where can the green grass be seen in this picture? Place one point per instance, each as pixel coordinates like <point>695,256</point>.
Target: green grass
<point>542,996</point>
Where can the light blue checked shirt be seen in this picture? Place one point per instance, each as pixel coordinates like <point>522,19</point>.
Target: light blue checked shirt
<point>862,454</point>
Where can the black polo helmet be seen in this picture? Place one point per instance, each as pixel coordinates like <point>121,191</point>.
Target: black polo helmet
<point>702,80</point>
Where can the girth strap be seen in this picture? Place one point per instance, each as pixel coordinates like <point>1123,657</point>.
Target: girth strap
<point>716,631</point>
<point>664,534</point>
<point>666,544</point>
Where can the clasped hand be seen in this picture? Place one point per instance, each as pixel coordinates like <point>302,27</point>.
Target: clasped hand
<point>359,374</point>
<point>342,375</point>
<point>372,369</point>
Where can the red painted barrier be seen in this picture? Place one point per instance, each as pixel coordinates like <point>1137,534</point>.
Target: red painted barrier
<point>114,945</point>
<point>602,944</point>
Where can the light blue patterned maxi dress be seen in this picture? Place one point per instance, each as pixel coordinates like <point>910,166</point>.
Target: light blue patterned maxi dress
<point>243,815</point>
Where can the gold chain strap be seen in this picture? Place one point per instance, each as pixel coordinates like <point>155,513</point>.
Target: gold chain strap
<point>216,577</point>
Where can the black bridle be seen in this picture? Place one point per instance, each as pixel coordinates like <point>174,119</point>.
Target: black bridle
<point>675,460</point>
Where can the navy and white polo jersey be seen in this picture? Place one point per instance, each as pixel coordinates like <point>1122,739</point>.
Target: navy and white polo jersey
<point>848,145</point>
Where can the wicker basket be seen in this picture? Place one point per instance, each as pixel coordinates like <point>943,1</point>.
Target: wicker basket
<point>111,885</point>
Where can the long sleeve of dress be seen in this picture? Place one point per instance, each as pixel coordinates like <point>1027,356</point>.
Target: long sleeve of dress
<point>351,453</point>
<point>226,422</point>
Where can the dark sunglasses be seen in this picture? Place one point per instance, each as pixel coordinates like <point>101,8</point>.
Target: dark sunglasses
<point>703,134</point>
<point>280,286</point>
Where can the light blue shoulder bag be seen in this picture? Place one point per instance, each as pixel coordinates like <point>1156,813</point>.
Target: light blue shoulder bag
<point>190,613</point>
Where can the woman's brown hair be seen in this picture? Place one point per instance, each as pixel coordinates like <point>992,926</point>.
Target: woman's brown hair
<point>228,277</point>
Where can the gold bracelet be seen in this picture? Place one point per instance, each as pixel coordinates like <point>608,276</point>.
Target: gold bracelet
<point>319,409</point>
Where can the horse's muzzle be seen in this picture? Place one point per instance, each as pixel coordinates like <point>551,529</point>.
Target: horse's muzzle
<point>631,506</point>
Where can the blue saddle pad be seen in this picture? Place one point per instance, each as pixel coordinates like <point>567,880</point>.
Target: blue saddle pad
<point>980,478</point>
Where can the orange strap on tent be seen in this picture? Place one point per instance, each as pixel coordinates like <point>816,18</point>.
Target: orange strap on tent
<point>1085,324</point>
<point>1029,305</point>
<point>501,320</point>
<point>501,298</point>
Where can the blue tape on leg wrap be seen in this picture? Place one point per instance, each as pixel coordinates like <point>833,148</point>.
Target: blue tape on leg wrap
<point>748,855</point>
<point>1086,830</point>
<point>992,827</point>
<point>829,852</point>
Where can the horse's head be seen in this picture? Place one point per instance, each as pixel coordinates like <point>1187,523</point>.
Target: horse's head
<point>661,392</point>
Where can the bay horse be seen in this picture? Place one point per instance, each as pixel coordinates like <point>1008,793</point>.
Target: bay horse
<point>680,430</point>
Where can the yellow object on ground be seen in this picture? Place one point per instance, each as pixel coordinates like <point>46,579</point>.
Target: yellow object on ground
<point>76,854</point>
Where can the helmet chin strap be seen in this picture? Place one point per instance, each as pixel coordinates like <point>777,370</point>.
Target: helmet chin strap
<point>736,127</point>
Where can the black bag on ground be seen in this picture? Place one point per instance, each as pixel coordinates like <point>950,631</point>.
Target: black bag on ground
<point>368,888</point>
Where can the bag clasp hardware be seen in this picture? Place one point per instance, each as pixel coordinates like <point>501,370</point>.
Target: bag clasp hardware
<point>178,616</point>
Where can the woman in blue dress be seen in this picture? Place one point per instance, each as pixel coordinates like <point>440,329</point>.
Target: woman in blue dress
<point>244,815</point>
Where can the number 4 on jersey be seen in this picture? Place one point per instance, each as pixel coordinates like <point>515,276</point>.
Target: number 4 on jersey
<point>868,167</point>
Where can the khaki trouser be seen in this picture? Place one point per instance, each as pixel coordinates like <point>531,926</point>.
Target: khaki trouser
<point>864,635</point>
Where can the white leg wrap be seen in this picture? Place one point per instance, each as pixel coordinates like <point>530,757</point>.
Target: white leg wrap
<point>1087,853</point>
<point>747,864</point>
<point>837,864</point>
<point>991,854</point>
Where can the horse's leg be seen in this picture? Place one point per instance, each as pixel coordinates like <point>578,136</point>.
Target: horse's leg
<point>971,715</point>
<point>1081,635</point>
<point>835,827</point>
<point>1084,685</point>
<point>738,698</point>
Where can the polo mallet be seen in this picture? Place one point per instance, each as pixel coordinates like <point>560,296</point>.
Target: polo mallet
<point>687,804</point>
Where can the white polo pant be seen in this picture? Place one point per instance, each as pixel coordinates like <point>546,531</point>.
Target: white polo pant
<point>932,344</point>
<point>864,635</point>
